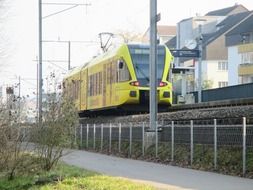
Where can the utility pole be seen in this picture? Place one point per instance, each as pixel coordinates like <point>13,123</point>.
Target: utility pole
<point>69,43</point>
<point>153,64</point>
<point>19,99</point>
<point>40,85</point>
<point>37,91</point>
<point>200,64</point>
<point>69,51</point>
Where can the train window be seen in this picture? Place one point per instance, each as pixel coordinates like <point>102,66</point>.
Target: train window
<point>77,89</point>
<point>123,72</point>
<point>108,74</point>
<point>91,85</point>
<point>97,84</point>
<point>120,64</point>
<point>111,73</point>
<point>94,85</point>
<point>114,71</point>
<point>100,82</point>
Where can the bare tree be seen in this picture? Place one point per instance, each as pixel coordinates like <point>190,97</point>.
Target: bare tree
<point>130,36</point>
<point>57,132</point>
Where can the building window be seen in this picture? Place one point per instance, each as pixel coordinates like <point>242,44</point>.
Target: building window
<point>223,84</point>
<point>222,66</point>
<point>247,58</point>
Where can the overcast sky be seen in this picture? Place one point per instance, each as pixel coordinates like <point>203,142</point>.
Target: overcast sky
<point>19,28</point>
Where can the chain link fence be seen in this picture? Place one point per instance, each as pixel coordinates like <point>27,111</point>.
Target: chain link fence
<point>224,145</point>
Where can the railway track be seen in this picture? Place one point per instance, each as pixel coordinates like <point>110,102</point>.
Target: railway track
<point>225,109</point>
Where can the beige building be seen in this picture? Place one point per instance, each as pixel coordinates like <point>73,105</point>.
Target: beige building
<point>211,29</point>
<point>240,52</point>
<point>164,32</point>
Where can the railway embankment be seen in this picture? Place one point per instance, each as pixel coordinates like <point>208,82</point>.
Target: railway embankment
<point>227,112</point>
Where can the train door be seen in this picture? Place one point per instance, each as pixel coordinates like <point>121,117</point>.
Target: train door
<point>108,84</point>
<point>111,82</point>
<point>83,89</point>
<point>104,85</point>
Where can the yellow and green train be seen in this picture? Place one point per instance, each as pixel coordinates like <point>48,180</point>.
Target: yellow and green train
<point>119,81</point>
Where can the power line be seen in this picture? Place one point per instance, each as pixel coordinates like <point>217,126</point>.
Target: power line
<point>72,6</point>
<point>72,41</point>
<point>40,40</point>
<point>59,61</point>
<point>57,65</point>
<point>79,4</point>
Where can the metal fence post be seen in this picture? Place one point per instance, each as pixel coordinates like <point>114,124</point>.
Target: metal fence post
<point>81,136</point>
<point>172,141</point>
<point>156,140</point>
<point>102,136</point>
<point>143,138</point>
<point>110,138</point>
<point>119,137</point>
<point>94,136</point>
<point>75,135</point>
<point>215,144</point>
<point>130,140</point>
<point>87,136</point>
<point>244,146</point>
<point>192,142</point>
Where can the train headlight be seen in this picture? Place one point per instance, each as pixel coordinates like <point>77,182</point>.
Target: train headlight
<point>135,83</point>
<point>162,84</point>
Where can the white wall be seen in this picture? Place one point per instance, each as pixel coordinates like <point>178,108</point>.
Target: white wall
<point>216,75</point>
<point>210,72</point>
<point>234,60</point>
<point>204,71</point>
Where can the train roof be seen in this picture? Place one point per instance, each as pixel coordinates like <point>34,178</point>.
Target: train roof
<point>73,72</point>
<point>106,56</point>
<point>94,61</point>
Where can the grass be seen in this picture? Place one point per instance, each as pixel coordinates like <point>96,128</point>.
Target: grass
<point>98,182</point>
<point>65,177</point>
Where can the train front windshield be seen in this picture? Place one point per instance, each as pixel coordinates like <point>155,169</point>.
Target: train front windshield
<point>140,60</point>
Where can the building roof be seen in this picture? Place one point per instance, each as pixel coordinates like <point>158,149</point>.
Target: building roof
<point>172,43</point>
<point>244,27</point>
<point>224,26</point>
<point>225,11</point>
<point>164,30</point>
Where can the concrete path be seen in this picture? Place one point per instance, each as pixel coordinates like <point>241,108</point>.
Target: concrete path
<point>158,175</point>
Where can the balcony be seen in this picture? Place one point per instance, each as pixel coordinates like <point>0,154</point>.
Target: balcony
<point>245,69</point>
<point>245,48</point>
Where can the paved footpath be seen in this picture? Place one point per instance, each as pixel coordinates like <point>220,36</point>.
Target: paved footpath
<point>161,176</point>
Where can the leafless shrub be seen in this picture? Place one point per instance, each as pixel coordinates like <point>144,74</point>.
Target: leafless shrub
<point>13,156</point>
<point>57,132</point>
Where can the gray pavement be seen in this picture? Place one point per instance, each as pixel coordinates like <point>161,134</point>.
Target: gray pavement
<point>158,175</point>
